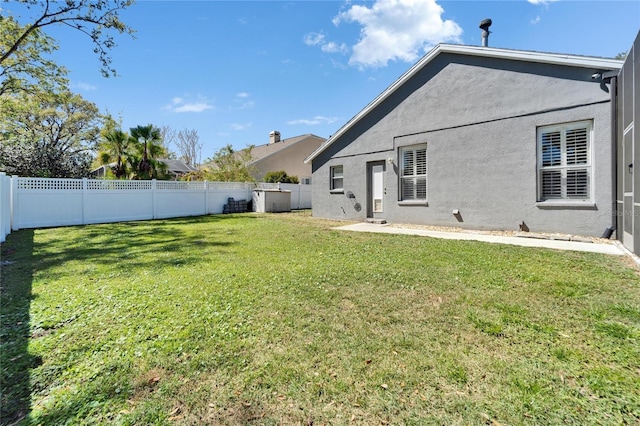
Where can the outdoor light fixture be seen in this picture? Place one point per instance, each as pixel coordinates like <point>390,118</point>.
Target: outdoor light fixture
<point>390,160</point>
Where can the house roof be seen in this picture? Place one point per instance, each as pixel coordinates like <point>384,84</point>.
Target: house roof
<point>177,166</point>
<point>261,152</point>
<point>602,64</point>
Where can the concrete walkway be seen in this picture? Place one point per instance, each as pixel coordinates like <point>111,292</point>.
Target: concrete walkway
<point>613,248</point>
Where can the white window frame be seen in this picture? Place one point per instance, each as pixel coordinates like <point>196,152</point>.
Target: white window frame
<point>413,170</point>
<point>561,167</point>
<point>336,180</point>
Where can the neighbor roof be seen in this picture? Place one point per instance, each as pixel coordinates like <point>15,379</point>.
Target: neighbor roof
<point>177,166</point>
<point>603,64</point>
<point>263,151</point>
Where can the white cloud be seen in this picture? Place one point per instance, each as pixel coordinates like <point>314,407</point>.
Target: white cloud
<point>193,107</point>
<point>85,87</point>
<point>541,2</point>
<point>313,39</point>
<point>179,105</point>
<point>535,20</point>
<point>319,119</point>
<point>332,47</point>
<point>397,30</point>
<point>243,126</point>
<point>319,39</point>
<point>245,105</point>
<point>242,102</point>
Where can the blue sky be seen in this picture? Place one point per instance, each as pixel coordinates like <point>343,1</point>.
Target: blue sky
<point>236,70</point>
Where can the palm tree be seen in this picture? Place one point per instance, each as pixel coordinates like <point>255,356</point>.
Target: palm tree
<point>150,148</point>
<point>114,147</point>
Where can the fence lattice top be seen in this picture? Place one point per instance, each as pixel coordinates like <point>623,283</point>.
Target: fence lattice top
<point>48,184</point>
<point>41,184</point>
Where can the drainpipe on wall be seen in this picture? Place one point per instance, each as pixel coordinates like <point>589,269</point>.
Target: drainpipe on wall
<point>614,159</point>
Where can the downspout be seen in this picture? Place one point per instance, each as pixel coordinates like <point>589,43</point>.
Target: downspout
<point>614,159</point>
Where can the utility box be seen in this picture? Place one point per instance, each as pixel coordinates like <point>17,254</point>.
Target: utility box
<point>271,201</point>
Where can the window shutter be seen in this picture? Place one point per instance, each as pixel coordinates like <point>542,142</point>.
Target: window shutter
<point>413,182</point>
<point>551,149</point>
<point>576,142</point>
<point>577,183</point>
<point>421,161</point>
<point>407,163</point>
<point>564,162</point>
<point>551,184</point>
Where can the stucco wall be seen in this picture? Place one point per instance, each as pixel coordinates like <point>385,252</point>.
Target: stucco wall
<point>478,118</point>
<point>291,159</point>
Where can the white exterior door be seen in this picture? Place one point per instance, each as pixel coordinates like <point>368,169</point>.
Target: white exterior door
<point>377,188</point>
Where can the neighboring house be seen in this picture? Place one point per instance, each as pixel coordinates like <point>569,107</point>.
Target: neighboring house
<point>482,138</point>
<point>285,154</point>
<point>175,168</point>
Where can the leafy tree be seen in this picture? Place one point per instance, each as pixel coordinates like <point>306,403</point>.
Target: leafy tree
<point>115,147</point>
<point>27,69</point>
<point>229,165</point>
<point>280,176</point>
<point>147,142</point>
<point>97,19</point>
<point>47,134</point>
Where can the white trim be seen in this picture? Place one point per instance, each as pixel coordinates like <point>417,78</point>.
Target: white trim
<point>601,64</point>
<point>628,129</point>
<point>553,204</point>
<point>413,203</point>
<point>563,167</point>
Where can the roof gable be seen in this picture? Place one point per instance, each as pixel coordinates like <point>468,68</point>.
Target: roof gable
<point>602,64</point>
<point>259,153</point>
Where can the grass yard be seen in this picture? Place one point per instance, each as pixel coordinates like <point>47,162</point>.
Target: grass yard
<point>280,320</point>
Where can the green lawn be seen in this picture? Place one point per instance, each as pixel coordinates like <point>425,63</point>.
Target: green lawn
<point>279,320</point>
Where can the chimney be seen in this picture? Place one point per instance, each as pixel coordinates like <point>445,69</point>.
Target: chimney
<point>274,137</point>
<point>484,26</point>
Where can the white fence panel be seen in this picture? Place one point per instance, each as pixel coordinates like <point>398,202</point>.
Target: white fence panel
<point>5,206</point>
<point>219,193</point>
<point>108,201</point>
<point>300,195</point>
<point>179,199</point>
<point>41,202</point>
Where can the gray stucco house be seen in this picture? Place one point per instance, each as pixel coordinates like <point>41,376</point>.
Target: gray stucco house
<point>481,138</point>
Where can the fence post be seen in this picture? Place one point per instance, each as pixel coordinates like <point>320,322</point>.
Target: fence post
<point>84,200</point>
<point>153,198</point>
<point>14,203</point>
<point>206,198</point>
<point>3,207</point>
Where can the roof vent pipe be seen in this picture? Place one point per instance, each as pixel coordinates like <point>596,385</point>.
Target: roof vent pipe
<point>484,26</point>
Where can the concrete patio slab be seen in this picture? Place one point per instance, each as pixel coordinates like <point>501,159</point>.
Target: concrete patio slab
<point>612,248</point>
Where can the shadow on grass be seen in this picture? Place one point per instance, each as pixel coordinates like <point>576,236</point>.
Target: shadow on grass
<point>120,244</point>
<point>15,301</point>
<point>133,244</point>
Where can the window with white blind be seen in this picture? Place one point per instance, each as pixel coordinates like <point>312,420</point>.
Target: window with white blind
<point>564,162</point>
<point>413,173</point>
<point>336,183</point>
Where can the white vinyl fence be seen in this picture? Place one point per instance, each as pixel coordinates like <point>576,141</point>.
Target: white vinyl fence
<point>42,202</point>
